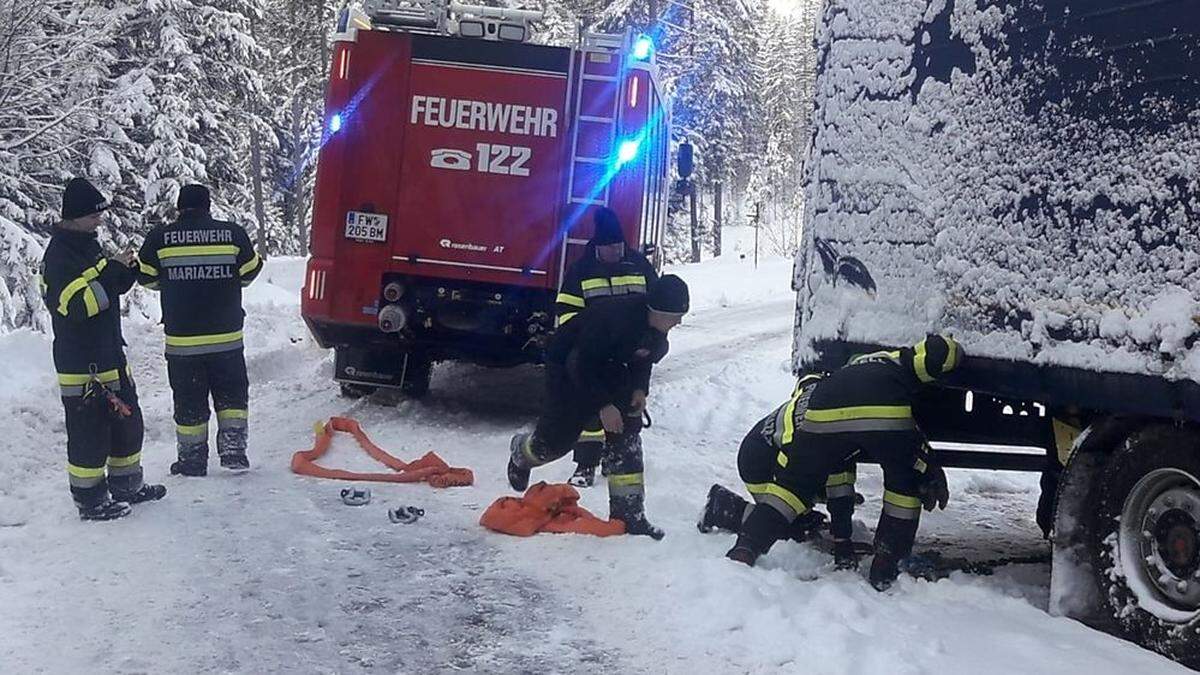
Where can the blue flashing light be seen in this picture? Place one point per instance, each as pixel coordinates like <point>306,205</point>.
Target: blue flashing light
<point>335,123</point>
<point>643,47</point>
<point>628,151</point>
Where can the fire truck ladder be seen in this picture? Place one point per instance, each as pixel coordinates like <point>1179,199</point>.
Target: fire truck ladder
<point>597,56</point>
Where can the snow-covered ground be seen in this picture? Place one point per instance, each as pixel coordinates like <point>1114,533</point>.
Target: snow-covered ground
<point>269,572</point>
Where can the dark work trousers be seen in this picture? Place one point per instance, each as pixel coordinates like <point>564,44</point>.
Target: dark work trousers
<point>813,459</point>
<point>193,379</point>
<point>589,448</point>
<point>567,413</point>
<point>99,438</point>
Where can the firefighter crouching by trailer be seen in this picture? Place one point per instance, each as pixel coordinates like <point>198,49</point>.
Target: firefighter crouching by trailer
<point>759,458</point>
<point>600,363</point>
<point>82,289</point>
<point>608,269</point>
<point>862,410</point>
<point>200,265</point>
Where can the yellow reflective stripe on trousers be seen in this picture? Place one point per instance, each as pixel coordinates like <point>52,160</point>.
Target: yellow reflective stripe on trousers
<point>778,498</point>
<point>79,379</point>
<point>85,472</point>
<point>189,251</point>
<point>572,300</point>
<point>843,478</point>
<point>192,429</point>
<point>233,414</point>
<point>202,340</point>
<point>903,501</point>
<point>78,284</point>
<point>859,412</point>
<point>592,436</point>
<point>249,266</point>
<point>625,479</point>
<point>131,460</point>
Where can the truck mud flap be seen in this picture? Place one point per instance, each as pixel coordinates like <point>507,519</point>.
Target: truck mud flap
<point>368,367</point>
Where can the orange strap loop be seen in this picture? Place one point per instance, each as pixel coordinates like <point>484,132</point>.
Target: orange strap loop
<point>546,508</point>
<point>429,468</point>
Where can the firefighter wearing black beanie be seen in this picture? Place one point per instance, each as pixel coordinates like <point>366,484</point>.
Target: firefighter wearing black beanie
<point>600,364</point>
<point>82,290</point>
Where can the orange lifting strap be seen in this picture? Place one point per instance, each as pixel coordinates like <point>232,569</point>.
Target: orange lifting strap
<point>430,468</point>
<point>546,508</point>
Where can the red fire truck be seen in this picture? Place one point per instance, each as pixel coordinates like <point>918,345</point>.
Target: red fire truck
<point>458,174</point>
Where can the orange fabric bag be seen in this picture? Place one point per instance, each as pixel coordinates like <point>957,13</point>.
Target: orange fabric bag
<point>429,468</point>
<point>546,507</point>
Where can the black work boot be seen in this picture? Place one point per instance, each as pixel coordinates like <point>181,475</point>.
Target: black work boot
<point>845,557</point>
<point>518,463</point>
<point>105,510</point>
<point>584,476</point>
<point>235,460</point>
<point>806,525</point>
<point>724,509</point>
<point>743,553</point>
<point>192,466</point>
<point>630,510</point>
<point>146,493</point>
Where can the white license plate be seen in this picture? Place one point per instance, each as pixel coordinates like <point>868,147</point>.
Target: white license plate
<point>366,226</point>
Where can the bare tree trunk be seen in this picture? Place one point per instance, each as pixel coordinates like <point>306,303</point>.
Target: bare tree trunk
<point>695,225</point>
<point>256,167</point>
<point>717,206</point>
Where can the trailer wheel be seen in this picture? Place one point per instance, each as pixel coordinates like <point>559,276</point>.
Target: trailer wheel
<point>417,375</point>
<point>1145,540</point>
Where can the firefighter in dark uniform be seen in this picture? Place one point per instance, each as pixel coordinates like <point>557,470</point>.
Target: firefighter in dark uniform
<point>599,363</point>
<point>82,289</point>
<point>608,269</point>
<point>758,459</point>
<point>199,265</point>
<point>863,410</point>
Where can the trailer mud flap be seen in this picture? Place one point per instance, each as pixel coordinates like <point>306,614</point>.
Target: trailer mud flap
<point>373,368</point>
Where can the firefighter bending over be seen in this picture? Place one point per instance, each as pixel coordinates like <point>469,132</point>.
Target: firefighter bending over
<point>599,363</point>
<point>863,410</point>
<point>759,458</point>
<point>200,265</point>
<point>608,269</point>
<point>82,289</point>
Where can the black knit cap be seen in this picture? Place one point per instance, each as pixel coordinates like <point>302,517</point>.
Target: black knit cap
<point>193,197</point>
<point>81,198</point>
<point>607,228</point>
<point>669,295</point>
<point>932,358</point>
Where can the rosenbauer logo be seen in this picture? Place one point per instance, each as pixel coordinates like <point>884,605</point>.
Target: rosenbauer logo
<point>467,246</point>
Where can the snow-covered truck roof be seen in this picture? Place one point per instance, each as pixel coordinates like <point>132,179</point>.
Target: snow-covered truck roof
<point>1023,175</point>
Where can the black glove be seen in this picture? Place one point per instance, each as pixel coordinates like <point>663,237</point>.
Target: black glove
<point>934,491</point>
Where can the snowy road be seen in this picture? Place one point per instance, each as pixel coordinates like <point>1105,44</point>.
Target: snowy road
<point>269,572</point>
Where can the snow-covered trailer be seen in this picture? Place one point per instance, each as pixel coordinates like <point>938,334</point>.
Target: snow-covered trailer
<point>457,177</point>
<point>1025,175</point>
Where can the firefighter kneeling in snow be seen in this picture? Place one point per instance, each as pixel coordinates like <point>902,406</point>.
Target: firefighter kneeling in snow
<point>600,362</point>
<point>608,269</point>
<point>863,410</point>
<point>200,265</point>
<point>759,459</point>
<point>82,289</point>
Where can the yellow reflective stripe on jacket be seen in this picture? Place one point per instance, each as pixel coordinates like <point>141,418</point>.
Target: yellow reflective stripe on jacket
<point>592,284</point>
<point>563,318</point>
<point>78,379</point>
<point>80,283</point>
<point>249,266</point>
<point>131,460</point>
<point>859,412</point>
<point>782,459</point>
<point>628,280</point>
<point>201,340</point>
<point>148,270</point>
<point>187,251</point>
<point>572,300</point>
<point>779,492</point>
<point>85,472</point>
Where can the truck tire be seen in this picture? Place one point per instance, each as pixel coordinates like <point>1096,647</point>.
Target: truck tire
<point>1145,540</point>
<point>417,374</point>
